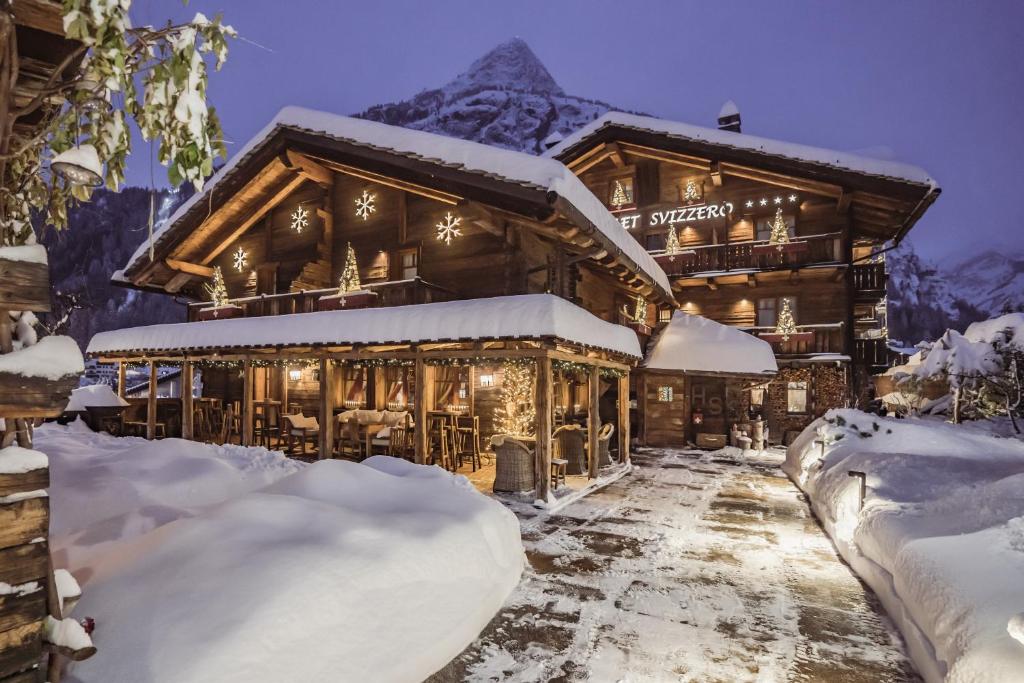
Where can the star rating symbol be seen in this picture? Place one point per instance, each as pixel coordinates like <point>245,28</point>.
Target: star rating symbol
<point>763,202</point>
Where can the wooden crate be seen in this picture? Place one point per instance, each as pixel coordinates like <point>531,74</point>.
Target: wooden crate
<point>24,286</point>
<point>23,521</point>
<point>22,396</point>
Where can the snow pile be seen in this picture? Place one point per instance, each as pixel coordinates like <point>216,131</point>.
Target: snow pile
<point>335,571</point>
<point>530,316</point>
<point>18,460</point>
<point>692,343</point>
<point>973,353</point>
<point>27,253</point>
<point>94,395</point>
<point>50,358</point>
<point>940,537</point>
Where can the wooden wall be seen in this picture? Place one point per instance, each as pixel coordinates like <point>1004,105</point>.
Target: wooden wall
<point>663,423</point>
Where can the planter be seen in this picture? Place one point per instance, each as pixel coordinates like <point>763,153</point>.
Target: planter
<point>349,300</point>
<point>22,396</point>
<point>221,312</point>
<point>787,248</point>
<point>773,337</point>
<point>24,284</point>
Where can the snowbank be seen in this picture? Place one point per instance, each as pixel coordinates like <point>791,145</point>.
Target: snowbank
<point>335,571</point>
<point>940,537</point>
<point>49,358</point>
<point>18,460</point>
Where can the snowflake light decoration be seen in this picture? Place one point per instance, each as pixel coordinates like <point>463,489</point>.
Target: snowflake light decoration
<point>300,219</point>
<point>366,205</point>
<point>448,228</point>
<point>240,258</point>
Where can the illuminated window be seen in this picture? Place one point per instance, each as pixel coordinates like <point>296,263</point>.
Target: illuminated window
<point>620,193</point>
<point>665,394</point>
<point>664,315</point>
<point>487,380</point>
<point>295,375</point>
<point>764,229</point>
<point>408,264</point>
<point>796,397</point>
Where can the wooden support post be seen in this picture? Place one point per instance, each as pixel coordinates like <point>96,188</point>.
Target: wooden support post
<point>542,462</point>
<point>284,389</point>
<point>121,377</point>
<point>420,410</point>
<point>624,418</point>
<point>187,415</point>
<point>594,418</point>
<point>326,408</point>
<point>247,391</point>
<point>151,403</point>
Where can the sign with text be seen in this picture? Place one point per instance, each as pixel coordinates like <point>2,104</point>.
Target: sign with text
<point>682,214</point>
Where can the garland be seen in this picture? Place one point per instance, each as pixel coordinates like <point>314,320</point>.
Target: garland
<point>479,360</point>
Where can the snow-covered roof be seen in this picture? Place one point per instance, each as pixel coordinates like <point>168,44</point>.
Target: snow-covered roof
<point>789,150</point>
<point>528,170</point>
<point>94,395</point>
<point>528,316</point>
<point>692,343</point>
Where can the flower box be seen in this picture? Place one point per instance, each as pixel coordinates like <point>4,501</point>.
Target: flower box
<point>24,278</point>
<point>775,337</point>
<point>221,312</point>
<point>362,298</point>
<point>787,248</point>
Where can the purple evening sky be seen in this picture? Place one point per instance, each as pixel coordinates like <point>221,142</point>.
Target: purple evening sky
<point>937,84</point>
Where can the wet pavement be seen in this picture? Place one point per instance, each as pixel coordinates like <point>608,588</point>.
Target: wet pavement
<point>696,567</point>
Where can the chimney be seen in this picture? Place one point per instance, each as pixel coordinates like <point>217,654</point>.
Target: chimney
<point>729,117</point>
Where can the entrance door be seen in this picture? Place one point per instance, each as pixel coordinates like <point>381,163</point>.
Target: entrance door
<point>707,406</point>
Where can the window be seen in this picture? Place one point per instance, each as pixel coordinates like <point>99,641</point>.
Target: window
<point>664,315</point>
<point>768,310</point>
<point>796,397</point>
<point>655,241</point>
<point>487,380</point>
<point>764,230</point>
<point>665,394</point>
<point>620,193</point>
<point>408,264</point>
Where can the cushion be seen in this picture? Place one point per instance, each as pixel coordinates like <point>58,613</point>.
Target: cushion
<point>384,434</point>
<point>301,421</point>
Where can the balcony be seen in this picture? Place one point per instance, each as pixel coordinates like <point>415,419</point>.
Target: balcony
<point>752,255</point>
<point>869,280</point>
<point>810,339</point>
<point>874,352</point>
<point>397,293</point>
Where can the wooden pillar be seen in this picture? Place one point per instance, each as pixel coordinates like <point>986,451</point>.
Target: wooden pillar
<point>121,377</point>
<point>542,463</point>
<point>284,389</point>
<point>624,418</point>
<point>594,419</point>
<point>151,403</point>
<point>187,428</point>
<point>420,412</point>
<point>326,408</point>
<point>247,391</point>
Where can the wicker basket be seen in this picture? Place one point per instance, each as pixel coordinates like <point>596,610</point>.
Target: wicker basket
<point>514,471</point>
<point>571,446</point>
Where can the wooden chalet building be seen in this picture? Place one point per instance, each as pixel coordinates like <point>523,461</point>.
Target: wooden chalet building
<point>469,258</point>
<point>753,232</point>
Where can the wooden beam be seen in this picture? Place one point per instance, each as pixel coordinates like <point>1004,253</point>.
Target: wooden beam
<point>187,414</point>
<point>437,195</point>
<point>151,403</point>
<point>712,285</point>
<point>242,227</point>
<point>247,402</point>
<point>307,168</point>
<point>615,154</point>
<point>190,268</point>
<point>326,408</point>
<point>480,216</point>
<point>589,159</point>
<point>422,439</point>
<point>542,454</point>
<point>403,218</point>
<point>843,202</point>
<point>751,280</point>
<point>624,417</point>
<point>666,156</point>
<point>178,281</point>
<point>781,180</point>
<point>594,418</point>
<point>121,377</point>
<point>716,174</point>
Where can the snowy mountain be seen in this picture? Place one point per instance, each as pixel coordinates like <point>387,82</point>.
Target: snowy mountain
<point>507,98</point>
<point>992,281</point>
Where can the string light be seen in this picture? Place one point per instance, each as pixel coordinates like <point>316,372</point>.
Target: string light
<point>366,204</point>
<point>516,415</point>
<point>779,231</point>
<point>621,195</point>
<point>300,219</point>
<point>787,325</point>
<point>240,258</point>
<point>691,193</point>
<point>448,228</point>
<point>218,291</point>
<point>672,243</point>
<point>350,273</point>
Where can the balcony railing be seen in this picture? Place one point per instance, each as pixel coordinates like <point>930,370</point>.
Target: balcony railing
<point>869,277</point>
<point>824,338</point>
<point>873,352</point>
<point>397,293</point>
<point>752,255</point>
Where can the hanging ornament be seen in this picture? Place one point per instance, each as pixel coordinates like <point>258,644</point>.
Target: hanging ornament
<point>79,165</point>
<point>350,273</point>
<point>448,228</point>
<point>240,258</point>
<point>691,193</point>
<point>620,195</point>
<point>672,243</point>
<point>786,326</point>
<point>779,231</point>
<point>366,204</point>
<point>300,219</point>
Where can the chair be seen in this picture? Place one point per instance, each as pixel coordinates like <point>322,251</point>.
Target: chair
<point>266,426</point>
<point>346,439</point>
<point>302,429</point>
<point>400,443</point>
<point>604,438</point>
<point>557,471</point>
<point>438,438</point>
<point>514,471</point>
<point>570,446</point>
<point>200,429</point>
<point>467,440</point>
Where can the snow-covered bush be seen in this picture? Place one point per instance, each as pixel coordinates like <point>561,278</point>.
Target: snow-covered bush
<point>984,367</point>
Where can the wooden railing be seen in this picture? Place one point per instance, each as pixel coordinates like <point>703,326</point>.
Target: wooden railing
<point>869,277</point>
<point>825,338</point>
<point>752,255</point>
<point>872,352</point>
<point>397,293</point>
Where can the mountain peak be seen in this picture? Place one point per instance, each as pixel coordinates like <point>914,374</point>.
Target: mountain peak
<point>512,65</point>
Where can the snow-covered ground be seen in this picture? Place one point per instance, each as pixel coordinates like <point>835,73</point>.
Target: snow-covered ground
<point>224,563</point>
<point>940,537</point>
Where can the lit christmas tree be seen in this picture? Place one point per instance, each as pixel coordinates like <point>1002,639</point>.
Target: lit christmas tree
<point>779,234</point>
<point>350,274</point>
<point>619,195</point>
<point>691,194</point>
<point>517,416</point>
<point>786,324</point>
<point>218,291</point>
<point>639,311</point>
<point>672,243</point>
